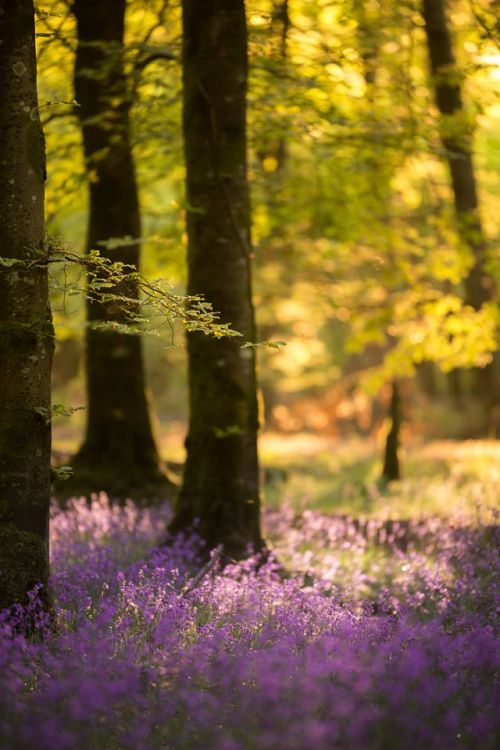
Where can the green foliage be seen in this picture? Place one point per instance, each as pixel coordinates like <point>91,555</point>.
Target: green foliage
<point>361,210</point>
<point>106,282</point>
<point>57,410</point>
<point>61,473</point>
<point>270,344</point>
<point>358,265</point>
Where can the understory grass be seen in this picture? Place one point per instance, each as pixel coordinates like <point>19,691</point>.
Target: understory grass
<point>439,479</point>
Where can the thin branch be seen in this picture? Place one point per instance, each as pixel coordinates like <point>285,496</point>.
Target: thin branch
<point>58,116</point>
<point>195,582</point>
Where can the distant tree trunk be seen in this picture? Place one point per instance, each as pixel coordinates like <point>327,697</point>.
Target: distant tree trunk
<point>280,26</point>
<point>369,41</point>
<point>270,251</point>
<point>426,376</point>
<point>391,470</point>
<point>369,33</point>
<point>455,386</point>
<point>280,22</point>
<point>119,453</point>
<point>456,139</point>
<point>221,477</point>
<point>26,334</point>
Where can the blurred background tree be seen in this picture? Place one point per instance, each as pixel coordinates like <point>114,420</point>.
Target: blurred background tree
<point>118,454</point>
<point>456,130</point>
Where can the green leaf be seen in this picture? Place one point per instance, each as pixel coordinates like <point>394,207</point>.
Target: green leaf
<point>62,472</point>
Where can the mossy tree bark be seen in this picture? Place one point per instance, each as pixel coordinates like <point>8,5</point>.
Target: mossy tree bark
<point>391,471</point>
<point>26,336</point>
<point>456,139</point>
<point>220,485</point>
<point>119,453</point>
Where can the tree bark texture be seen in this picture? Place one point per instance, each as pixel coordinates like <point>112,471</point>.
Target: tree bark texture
<point>119,453</point>
<point>26,335</point>
<point>391,471</point>
<point>456,140</point>
<point>220,485</point>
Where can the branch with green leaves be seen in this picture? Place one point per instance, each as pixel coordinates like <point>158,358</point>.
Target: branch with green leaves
<point>130,301</point>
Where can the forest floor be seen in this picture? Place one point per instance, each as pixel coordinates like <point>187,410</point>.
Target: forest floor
<point>370,634</point>
<point>439,478</point>
<point>341,476</point>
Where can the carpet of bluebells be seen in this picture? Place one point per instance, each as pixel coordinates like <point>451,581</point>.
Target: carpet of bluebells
<point>367,635</point>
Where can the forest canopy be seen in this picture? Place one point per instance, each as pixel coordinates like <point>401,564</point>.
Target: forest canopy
<point>352,201</point>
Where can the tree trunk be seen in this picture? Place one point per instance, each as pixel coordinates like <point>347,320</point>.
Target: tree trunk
<point>119,453</point>
<point>426,376</point>
<point>26,335</point>
<point>456,138</point>
<point>391,471</point>
<point>280,27</point>
<point>455,386</point>
<point>369,34</point>
<point>270,251</point>
<point>369,43</point>
<point>220,485</point>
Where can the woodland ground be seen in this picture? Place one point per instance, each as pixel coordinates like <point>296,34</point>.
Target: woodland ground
<point>441,478</point>
<point>369,635</point>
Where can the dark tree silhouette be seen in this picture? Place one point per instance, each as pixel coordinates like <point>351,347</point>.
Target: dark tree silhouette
<point>26,335</point>
<point>220,485</point>
<point>369,44</point>
<point>119,453</point>
<point>457,143</point>
<point>391,470</point>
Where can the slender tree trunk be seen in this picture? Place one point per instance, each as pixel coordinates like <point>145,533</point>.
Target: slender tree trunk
<point>369,33</point>
<point>426,376</point>
<point>455,386</point>
<point>26,335</point>
<point>220,486</point>
<point>280,23</point>
<point>119,453</point>
<point>391,470</point>
<point>456,138</point>
<point>280,26</point>
<point>270,251</point>
<point>369,48</point>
